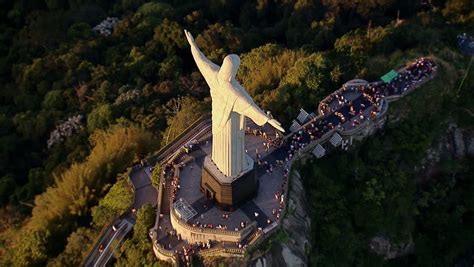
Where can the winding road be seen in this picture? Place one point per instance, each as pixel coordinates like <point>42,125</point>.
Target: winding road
<point>145,193</point>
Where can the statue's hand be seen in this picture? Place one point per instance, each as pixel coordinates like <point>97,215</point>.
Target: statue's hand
<point>204,64</point>
<point>190,38</point>
<point>276,125</point>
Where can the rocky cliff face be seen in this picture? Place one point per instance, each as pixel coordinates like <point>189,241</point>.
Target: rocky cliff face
<point>297,225</point>
<point>384,247</point>
<point>455,143</point>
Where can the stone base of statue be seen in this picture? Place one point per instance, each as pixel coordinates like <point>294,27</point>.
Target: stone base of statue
<point>228,192</point>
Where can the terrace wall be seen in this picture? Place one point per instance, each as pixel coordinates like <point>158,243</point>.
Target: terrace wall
<point>199,234</point>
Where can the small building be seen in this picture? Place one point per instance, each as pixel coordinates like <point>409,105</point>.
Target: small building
<point>335,140</point>
<point>389,76</point>
<point>303,116</point>
<point>319,151</point>
<point>295,126</point>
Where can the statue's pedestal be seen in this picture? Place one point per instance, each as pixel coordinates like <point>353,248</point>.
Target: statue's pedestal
<point>228,192</point>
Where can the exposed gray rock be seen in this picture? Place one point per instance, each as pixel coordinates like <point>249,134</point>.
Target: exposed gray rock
<point>470,148</point>
<point>382,246</point>
<point>457,143</point>
<point>262,262</point>
<point>459,146</point>
<point>297,225</point>
<point>290,258</point>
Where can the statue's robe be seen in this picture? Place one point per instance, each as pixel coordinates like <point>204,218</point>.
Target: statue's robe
<point>230,105</point>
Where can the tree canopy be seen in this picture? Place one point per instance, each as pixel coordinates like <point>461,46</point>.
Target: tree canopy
<point>134,86</point>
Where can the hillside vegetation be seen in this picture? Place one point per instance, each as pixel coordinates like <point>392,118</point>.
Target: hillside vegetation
<point>78,107</point>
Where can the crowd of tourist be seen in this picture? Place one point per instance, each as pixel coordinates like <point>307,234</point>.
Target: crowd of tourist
<point>356,103</point>
<point>268,141</point>
<point>339,99</point>
<point>175,186</point>
<point>219,226</point>
<point>186,251</point>
<point>408,78</point>
<point>65,130</point>
<point>168,176</point>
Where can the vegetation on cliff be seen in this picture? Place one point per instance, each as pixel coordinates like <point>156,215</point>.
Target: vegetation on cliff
<point>78,107</point>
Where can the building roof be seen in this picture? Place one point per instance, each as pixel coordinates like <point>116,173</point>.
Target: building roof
<point>319,151</point>
<point>389,76</point>
<point>303,116</point>
<point>295,126</point>
<point>336,139</point>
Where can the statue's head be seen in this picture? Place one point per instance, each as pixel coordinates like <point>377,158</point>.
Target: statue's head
<point>229,67</point>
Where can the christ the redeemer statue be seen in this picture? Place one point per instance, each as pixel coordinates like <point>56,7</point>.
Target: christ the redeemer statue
<point>230,105</point>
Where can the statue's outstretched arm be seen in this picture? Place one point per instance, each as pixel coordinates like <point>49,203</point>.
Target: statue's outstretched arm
<point>276,125</point>
<point>204,64</point>
<point>258,116</point>
<point>246,106</point>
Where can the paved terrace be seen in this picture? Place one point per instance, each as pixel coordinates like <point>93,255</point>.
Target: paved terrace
<point>358,102</point>
<point>208,215</point>
<point>349,106</point>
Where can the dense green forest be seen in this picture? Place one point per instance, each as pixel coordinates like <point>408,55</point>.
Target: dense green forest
<point>78,107</point>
